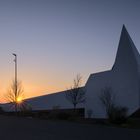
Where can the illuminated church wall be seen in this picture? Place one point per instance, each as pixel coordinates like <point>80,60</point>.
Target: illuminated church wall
<point>123,79</point>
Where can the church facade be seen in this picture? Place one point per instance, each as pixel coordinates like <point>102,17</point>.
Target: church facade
<point>123,79</point>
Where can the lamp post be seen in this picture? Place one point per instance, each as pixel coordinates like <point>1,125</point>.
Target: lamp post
<point>15,60</point>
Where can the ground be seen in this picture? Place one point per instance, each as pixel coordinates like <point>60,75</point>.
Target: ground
<point>34,129</point>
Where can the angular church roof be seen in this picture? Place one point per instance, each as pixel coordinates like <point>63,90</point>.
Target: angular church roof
<point>127,52</point>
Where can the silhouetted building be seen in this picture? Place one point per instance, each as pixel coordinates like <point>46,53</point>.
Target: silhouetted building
<point>123,79</point>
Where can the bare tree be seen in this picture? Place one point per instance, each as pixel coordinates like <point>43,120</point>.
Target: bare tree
<point>76,94</point>
<point>15,95</point>
<point>115,113</point>
<point>108,100</point>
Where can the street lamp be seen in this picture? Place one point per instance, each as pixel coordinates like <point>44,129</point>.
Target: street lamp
<point>15,60</point>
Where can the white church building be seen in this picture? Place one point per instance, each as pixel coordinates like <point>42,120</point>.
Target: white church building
<point>123,79</point>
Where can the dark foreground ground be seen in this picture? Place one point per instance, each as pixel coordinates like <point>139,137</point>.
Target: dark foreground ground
<point>12,128</point>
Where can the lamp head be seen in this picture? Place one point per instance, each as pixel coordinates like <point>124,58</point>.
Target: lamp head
<point>14,54</point>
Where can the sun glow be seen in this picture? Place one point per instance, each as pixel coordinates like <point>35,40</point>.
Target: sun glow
<point>19,100</point>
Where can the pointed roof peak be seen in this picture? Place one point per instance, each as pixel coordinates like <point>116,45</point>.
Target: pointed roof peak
<point>124,30</point>
<point>125,34</point>
<point>124,27</point>
<point>126,50</point>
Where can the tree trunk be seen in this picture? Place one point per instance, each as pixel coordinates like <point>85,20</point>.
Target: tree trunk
<point>74,107</point>
<point>16,111</point>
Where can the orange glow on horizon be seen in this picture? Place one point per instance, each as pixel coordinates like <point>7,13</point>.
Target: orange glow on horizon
<point>33,87</point>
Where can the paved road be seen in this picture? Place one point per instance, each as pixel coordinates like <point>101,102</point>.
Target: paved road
<point>12,128</point>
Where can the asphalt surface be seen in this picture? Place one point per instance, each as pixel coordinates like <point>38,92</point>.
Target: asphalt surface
<point>12,128</point>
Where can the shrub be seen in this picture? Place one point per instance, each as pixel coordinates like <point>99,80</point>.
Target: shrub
<point>89,113</point>
<point>115,114</point>
<point>118,115</point>
<point>59,115</point>
<point>63,116</point>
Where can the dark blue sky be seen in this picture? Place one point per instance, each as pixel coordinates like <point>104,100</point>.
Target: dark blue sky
<point>56,39</point>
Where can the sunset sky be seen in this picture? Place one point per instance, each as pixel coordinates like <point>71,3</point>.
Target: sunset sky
<point>57,39</point>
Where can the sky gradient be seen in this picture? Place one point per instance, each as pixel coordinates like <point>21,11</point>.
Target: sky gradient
<point>57,39</point>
